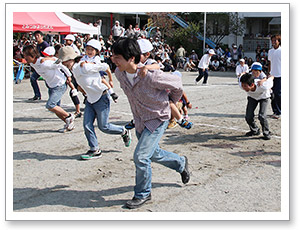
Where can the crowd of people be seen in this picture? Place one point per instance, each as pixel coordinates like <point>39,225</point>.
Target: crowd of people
<point>84,63</point>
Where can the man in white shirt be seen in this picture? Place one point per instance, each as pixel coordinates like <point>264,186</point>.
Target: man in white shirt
<point>274,57</point>
<point>203,67</point>
<point>117,30</point>
<point>257,94</point>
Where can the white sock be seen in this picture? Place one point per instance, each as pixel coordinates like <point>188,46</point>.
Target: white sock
<point>111,91</point>
<point>179,120</point>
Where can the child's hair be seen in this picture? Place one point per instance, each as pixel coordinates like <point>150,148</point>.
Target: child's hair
<point>128,48</point>
<point>247,79</point>
<point>57,47</point>
<point>31,51</point>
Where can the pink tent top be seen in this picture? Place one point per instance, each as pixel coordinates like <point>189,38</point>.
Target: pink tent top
<point>43,21</point>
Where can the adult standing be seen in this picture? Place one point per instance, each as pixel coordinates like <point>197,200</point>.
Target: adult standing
<point>203,67</point>
<point>274,57</point>
<point>180,54</point>
<point>117,30</point>
<point>129,32</point>
<point>149,102</point>
<point>41,45</point>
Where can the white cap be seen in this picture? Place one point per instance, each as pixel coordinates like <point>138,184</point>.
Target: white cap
<point>242,60</point>
<point>211,51</point>
<point>95,44</point>
<point>145,45</point>
<point>70,37</point>
<point>49,51</point>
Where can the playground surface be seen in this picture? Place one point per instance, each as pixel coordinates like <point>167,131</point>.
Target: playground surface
<point>229,172</point>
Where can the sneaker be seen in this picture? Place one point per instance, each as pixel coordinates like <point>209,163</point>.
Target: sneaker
<point>185,175</point>
<point>252,133</point>
<point>137,202</point>
<point>130,125</point>
<point>186,124</point>
<point>275,116</point>
<point>267,137</point>
<point>78,115</point>
<point>114,96</point>
<point>35,98</point>
<point>196,82</point>
<point>70,122</point>
<point>127,138</point>
<point>172,124</point>
<point>204,84</point>
<point>64,129</point>
<point>91,154</point>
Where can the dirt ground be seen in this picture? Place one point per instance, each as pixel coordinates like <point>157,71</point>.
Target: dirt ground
<point>229,172</point>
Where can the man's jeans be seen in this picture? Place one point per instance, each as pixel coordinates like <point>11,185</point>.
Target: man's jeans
<point>262,114</point>
<point>276,102</point>
<point>33,80</point>
<point>201,74</point>
<point>147,151</point>
<point>99,110</point>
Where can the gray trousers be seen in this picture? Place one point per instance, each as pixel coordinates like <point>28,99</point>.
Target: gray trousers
<point>262,114</point>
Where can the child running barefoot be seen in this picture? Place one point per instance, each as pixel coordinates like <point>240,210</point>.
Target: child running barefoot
<point>93,48</point>
<point>148,63</point>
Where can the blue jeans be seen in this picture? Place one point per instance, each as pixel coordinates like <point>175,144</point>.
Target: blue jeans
<point>55,95</point>
<point>201,74</point>
<point>276,102</point>
<point>33,80</point>
<point>148,150</point>
<point>99,110</point>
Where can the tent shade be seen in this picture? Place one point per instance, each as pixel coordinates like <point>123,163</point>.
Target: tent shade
<point>49,22</point>
<point>43,21</point>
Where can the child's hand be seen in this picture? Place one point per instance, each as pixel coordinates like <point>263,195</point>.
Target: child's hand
<point>260,83</point>
<point>142,71</point>
<point>82,63</point>
<point>189,105</point>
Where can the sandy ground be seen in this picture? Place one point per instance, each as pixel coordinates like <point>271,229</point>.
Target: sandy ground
<point>229,172</point>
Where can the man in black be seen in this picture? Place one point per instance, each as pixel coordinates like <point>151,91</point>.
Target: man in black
<point>41,45</point>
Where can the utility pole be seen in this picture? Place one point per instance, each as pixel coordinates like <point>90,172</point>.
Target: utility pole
<point>204,34</point>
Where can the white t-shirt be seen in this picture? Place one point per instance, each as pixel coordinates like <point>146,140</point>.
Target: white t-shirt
<point>274,56</point>
<point>241,69</point>
<point>89,79</point>
<point>204,62</point>
<point>263,91</point>
<point>51,72</point>
<point>131,77</point>
<point>117,30</point>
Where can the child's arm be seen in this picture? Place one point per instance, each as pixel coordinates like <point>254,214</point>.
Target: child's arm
<point>261,81</point>
<point>47,58</point>
<point>105,83</point>
<point>144,69</point>
<point>110,81</point>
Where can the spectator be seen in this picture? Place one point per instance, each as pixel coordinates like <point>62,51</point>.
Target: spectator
<point>234,54</point>
<point>110,41</point>
<point>158,33</point>
<point>69,41</point>
<point>194,57</point>
<point>180,54</point>
<point>117,30</point>
<point>215,65</point>
<point>137,30</point>
<point>242,68</point>
<point>144,33</point>
<point>240,51</point>
<point>129,32</point>
<point>190,66</point>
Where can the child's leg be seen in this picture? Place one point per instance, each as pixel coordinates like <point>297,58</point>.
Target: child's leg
<point>262,116</point>
<point>251,105</point>
<point>175,112</point>
<point>111,92</point>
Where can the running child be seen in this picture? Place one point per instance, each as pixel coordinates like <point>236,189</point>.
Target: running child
<point>55,81</point>
<point>97,105</point>
<point>93,48</point>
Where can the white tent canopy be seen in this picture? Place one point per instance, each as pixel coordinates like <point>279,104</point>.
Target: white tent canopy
<point>77,26</point>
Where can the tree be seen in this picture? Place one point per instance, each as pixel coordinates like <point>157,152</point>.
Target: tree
<point>236,25</point>
<point>163,21</point>
<point>217,26</point>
